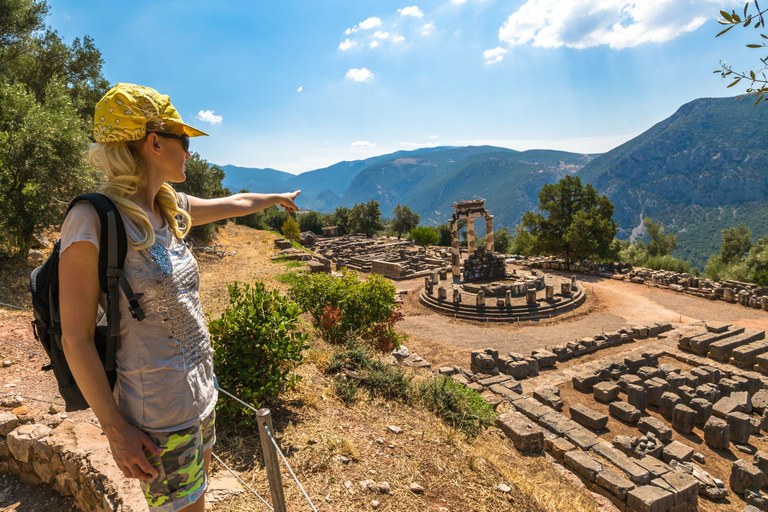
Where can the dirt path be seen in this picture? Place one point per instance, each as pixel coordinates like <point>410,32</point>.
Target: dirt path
<point>611,305</point>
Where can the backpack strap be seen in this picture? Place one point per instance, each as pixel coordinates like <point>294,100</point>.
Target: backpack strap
<point>113,248</point>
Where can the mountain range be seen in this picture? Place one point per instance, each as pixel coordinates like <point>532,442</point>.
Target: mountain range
<point>699,171</point>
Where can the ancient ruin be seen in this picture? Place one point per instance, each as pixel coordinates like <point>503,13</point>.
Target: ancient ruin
<point>469,211</point>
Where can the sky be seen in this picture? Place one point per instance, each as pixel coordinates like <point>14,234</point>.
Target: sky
<point>300,85</point>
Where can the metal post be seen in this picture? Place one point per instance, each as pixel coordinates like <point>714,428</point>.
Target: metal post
<point>271,461</point>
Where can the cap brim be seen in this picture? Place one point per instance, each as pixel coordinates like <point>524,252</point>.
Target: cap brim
<point>192,132</point>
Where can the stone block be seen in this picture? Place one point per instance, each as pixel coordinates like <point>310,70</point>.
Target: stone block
<point>717,433</point>
<point>545,358</point>
<point>614,483</point>
<point>761,461</point>
<point>758,500</point>
<point>654,388</point>
<point>667,404</point>
<point>634,363</point>
<point>624,412</point>
<point>533,367</point>
<point>657,427</point>
<point>582,464</point>
<point>496,379</point>
<point>709,392</point>
<point>668,369</point>
<point>677,451</point>
<point>518,370</point>
<point>527,437</point>
<point>648,372</point>
<point>656,467</point>
<point>686,394</point>
<point>582,438</point>
<point>675,380</point>
<point>741,427</point>
<point>531,408</point>
<point>557,423</point>
<point>683,418</point>
<point>587,417</point>
<point>650,498</point>
<point>585,382</point>
<point>743,401</point>
<point>760,401</point>
<point>635,472</point>
<point>549,397</point>
<point>629,379</point>
<point>703,410</point>
<point>685,489</point>
<point>727,386</point>
<point>21,439</point>
<point>637,397</point>
<point>8,422</point>
<point>560,446</point>
<point>724,407</point>
<point>691,380</point>
<point>606,392</point>
<point>746,476</point>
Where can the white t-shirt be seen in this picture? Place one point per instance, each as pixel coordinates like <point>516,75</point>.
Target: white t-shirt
<point>165,379</point>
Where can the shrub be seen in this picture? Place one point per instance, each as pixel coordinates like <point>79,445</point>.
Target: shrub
<point>290,229</point>
<point>424,236</point>
<point>256,345</point>
<point>460,407</point>
<point>667,262</point>
<point>379,378</point>
<point>345,308</point>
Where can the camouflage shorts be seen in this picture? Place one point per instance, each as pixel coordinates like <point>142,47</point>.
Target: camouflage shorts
<point>181,480</point>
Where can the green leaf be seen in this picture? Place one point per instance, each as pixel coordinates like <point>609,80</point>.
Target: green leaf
<point>724,31</point>
<point>725,15</point>
<point>753,45</point>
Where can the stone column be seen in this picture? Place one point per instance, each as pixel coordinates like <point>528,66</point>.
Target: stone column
<point>508,298</point>
<point>488,232</point>
<point>442,293</point>
<point>530,296</point>
<point>456,296</point>
<point>565,288</point>
<point>428,285</point>
<point>435,278</point>
<point>471,233</point>
<point>480,299</point>
<point>550,290</point>
<point>455,257</point>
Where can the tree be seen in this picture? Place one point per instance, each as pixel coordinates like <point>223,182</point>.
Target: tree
<point>758,82</point>
<point>424,236</point>
<point>202,179</point>
<point>365,218</point>
<point>404,220</point>
<point>502,240</point>
<point>579,222</point>
<point>47,94</point>
<point>290,229</point>
<point>341,219</point>
<point>661,244</point>
<point>736,244</point>
<point>311,221</point>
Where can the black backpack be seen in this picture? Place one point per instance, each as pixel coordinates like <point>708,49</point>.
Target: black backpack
<point>44,285</point>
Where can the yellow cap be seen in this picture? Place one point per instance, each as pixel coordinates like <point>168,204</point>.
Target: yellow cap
<point>125,110</point>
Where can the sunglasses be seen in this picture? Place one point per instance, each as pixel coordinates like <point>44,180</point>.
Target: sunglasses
<point>183,138</point>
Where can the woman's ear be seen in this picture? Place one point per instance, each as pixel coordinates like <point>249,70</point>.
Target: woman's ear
<point>152,144</point>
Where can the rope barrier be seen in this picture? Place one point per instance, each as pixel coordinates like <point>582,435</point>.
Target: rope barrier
<point>234,397</point>
<point>289,467</point>
<point>241,481</point>
<point>21,348</point>
<point>15,307</point>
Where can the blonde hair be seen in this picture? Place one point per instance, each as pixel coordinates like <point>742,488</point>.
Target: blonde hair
<point>124,175</point>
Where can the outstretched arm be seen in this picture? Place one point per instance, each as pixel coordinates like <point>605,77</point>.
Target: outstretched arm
<point>204,211</point>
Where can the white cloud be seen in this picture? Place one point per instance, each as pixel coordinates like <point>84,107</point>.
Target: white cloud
<point>458,2</point>
<point>616,23</point>
<point>433,137</point>
<point>494,55</point>
<point>347,44</point>
<point>374,44</point>
<point>207,116</point>
<point>362,144</point>
<point>364,25</point>
<point>398,39</point>
<point>300,89</point>
<point>381,35</point>
<point>419,144</point>
<point>359,75</point>
<point>428,28</point>
<point>411,11</point>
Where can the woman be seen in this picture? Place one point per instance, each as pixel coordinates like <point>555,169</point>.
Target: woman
<point>159,419</point>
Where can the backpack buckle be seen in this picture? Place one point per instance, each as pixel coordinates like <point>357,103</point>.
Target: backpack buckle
<point>135,308</point>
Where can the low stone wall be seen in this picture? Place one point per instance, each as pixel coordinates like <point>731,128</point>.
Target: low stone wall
<point>73,458</point>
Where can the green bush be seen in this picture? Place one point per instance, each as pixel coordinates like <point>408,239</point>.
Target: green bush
<point>667,262</point>
<point>290,229</point>
<point>345,308</point>
<point>256,346</point>
<point>424,236</point>
<point>461,407</point>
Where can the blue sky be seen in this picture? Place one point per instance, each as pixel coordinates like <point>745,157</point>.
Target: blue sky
<point>297,86</point>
